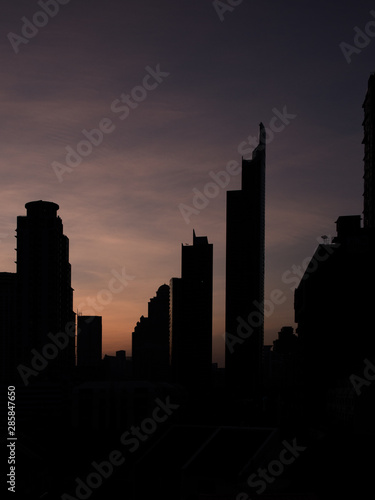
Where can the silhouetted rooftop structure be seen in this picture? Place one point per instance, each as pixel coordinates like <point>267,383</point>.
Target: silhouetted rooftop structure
<point>42,209</point>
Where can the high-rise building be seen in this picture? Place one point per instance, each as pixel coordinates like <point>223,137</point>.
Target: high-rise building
<point>150,340</point>
<point>245,243</point>
<point>333,304</point>
<point>89,341</point>
<point>369,154</point>
<point>333,309</point>
<point>191,315</point>
<point>45,295</point>
<point>8,316</point>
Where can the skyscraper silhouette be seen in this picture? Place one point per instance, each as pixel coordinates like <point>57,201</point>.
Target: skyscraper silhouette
<point>333,302</point>
<point>191,315</point>
<point>369,154</point>
<point>333,309</point>
<point>45,295</point>
<point>245,276</point>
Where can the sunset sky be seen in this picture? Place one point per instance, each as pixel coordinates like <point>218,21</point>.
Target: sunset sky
<point>213,76</point>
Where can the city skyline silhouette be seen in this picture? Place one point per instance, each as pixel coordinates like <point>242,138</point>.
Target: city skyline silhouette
<point>187,234</point>
<point>146,185</point>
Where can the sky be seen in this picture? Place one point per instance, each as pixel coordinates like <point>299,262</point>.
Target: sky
<point>175,92</point>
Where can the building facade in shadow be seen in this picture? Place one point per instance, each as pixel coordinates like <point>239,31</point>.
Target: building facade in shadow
<point>89,342</point>
<point>245,243</point>
<point>191,316</point>
<point>45,295</point>
<point>333,309</point>
<point>334,301</point>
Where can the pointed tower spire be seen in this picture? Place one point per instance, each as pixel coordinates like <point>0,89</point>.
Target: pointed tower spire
<point>262,140</point>
<point>262,135</point>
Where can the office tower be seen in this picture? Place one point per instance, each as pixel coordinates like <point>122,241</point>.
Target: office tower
<point>333,309</point>
<point>333,304</point>
<point>150,340</point>
<point>45,295</point>
<point>8,317</point>
<point>89,341</point>
<point>369,154</point>
<point>191,315</point>
<point>245,276</point>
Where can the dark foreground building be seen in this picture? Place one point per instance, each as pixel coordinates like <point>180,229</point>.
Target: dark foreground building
<point>191,315</point>
<point>334,305</point>
<point>45,295</point>
<point>245,276</point>
<point>333,309</point>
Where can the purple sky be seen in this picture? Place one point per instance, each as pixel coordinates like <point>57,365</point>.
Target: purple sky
<point>120,205</point>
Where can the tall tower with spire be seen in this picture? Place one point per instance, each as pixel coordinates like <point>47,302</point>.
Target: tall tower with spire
<point>245,248</point>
